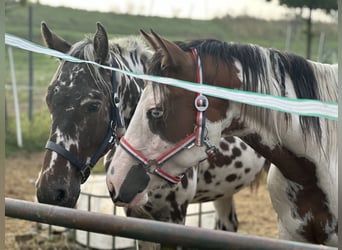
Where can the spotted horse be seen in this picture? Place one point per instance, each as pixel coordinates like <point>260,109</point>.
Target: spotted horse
<point>90,106</point>
<point>302,186</point>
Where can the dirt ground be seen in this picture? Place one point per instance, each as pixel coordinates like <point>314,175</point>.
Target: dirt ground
<point>255,212</point>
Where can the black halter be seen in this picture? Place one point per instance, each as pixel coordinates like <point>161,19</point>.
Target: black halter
<point>107,143</point>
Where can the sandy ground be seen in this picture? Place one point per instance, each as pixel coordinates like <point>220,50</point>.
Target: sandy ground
<point>254,209</point>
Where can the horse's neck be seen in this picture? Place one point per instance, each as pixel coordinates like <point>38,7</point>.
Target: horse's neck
<point>275,130</point>
<point>128,88</point>
<point>127,62</point>
<point>131,53</point>
<point>133,60</point>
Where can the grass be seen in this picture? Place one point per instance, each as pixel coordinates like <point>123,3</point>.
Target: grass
<point>73,24</point>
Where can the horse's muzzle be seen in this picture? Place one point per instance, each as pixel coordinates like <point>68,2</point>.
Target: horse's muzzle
<point>135,182</point>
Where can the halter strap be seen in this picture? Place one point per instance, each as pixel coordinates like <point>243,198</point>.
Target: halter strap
<point>107,143</point>
<point>116,113</point>
<point>160,160</point>
<point>201,103</point>
<point>58,148</point>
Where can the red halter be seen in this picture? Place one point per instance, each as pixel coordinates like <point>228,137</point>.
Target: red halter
<point>196,138</point>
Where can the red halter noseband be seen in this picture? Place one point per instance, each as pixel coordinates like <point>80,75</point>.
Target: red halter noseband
<point>196,138</point>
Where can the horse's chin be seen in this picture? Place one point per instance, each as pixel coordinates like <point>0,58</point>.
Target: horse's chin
<point>65,202</point>
<point>139,200</point>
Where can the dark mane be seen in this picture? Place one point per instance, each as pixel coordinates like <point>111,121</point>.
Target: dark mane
<point>254,61</point>
<point>77,49</point>
<point>84,50</point>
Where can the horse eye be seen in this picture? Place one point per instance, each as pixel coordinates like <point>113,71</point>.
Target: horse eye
<point>156,113</point>
<point>93,107</point>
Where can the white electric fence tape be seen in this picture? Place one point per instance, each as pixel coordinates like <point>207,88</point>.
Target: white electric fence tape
<point>305,107</point>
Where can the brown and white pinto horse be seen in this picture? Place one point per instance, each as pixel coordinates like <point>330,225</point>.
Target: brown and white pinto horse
<point>303,186</point>
<point>81,100</point>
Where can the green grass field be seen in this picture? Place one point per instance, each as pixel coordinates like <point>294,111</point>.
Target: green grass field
<point>74,24</point>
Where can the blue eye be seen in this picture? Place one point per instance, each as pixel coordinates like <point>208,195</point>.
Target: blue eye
<point>156,113</point>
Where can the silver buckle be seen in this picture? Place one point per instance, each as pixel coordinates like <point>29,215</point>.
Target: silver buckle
<point>204,103</point>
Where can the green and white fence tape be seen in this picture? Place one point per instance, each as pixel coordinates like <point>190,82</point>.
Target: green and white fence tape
<point>305,107</point>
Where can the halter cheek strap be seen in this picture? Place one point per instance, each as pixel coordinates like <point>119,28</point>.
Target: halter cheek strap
<point>116,113</point>
<point>201,103</point>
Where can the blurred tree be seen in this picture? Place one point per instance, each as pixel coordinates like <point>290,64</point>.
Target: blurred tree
<point>327,5</point>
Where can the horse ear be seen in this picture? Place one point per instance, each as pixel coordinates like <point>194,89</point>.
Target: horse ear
<point>173,55</point>
<point>101,44</point>
<point>53,41</point>
<point>150,40</point>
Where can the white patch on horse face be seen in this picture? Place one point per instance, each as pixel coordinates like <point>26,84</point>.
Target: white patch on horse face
<point>69,109</point>
<point>75,72</point>
<point>67,142</point>
<point>92,94</point>
<point>91,98</point>
<point>58,78</point>
<point>85,101</point>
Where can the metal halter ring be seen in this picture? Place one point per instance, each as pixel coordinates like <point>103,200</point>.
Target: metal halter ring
<point>116,100</point>
<point>201,103</point>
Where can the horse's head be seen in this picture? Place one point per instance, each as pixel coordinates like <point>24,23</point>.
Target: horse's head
<point>80,102</point>
<point>166,124</point>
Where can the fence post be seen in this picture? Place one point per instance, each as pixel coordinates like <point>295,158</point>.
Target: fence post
<point>15,98</point>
